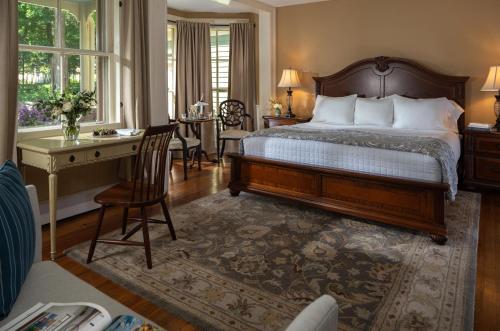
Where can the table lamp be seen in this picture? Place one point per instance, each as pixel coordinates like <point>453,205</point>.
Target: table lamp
<point>289,79</point>
<point>492,84</point>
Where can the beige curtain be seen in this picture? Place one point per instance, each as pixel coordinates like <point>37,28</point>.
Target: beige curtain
<point>194,73</point>
<point>242,81</point>
<point>8,78</point>
<point>135,64</point>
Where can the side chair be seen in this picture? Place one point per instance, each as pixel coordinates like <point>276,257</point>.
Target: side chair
<point>146,189</point>
<point>231,123</point>
<point>184,145</point>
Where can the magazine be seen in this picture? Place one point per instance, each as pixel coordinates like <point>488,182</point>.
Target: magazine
<point>79,316</point>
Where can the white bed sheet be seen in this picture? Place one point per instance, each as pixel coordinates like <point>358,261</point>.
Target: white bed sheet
<point>354,158</point>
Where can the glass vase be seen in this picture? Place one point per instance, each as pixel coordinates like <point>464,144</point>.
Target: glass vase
<point>277,111</point>
<point>70,127</point>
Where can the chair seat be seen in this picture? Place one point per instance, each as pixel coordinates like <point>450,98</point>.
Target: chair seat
<point>176,143</point>
<point>121,194</point>
<point>234,134</point>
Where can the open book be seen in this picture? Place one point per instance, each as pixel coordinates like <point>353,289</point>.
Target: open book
<point>79,316</point>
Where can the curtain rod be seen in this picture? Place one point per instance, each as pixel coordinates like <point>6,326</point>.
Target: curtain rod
<point>215,25</point>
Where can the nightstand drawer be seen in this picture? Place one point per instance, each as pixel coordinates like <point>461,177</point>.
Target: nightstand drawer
<point>487,169</point>
<point>488,145</point>
<point>282,121</point>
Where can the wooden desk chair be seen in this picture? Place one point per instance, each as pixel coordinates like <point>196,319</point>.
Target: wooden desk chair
<point>146,189</point>
<point>231,123</point>
<point>184,145</point>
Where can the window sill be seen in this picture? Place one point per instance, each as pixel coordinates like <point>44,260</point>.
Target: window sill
<point>55,130</point>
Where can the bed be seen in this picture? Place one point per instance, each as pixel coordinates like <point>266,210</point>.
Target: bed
<point>394,187</point>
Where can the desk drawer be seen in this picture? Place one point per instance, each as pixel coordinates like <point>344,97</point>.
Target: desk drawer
<point>487,145</point>
<point>487,169</point>
<point>70,158</point>
<point>111,151</point>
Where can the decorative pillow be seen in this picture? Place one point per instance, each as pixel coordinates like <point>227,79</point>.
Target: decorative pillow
<point>379,112</point>
<point>17,236</point>
<point>421,114</point>
<point>334,110</point>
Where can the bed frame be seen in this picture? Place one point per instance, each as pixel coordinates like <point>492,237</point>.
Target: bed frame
<point>403,202</point>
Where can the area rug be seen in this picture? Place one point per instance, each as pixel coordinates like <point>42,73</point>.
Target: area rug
<point>253,263</point>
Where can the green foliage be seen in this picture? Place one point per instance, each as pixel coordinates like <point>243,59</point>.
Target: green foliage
<point>37,26</point>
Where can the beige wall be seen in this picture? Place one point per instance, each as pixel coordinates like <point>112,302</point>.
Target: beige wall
<point>455,37</point>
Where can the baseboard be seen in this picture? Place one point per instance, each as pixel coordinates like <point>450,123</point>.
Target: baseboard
<point>73,204</point>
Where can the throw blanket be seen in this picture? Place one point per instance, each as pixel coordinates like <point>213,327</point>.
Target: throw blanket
<point>429,146</point>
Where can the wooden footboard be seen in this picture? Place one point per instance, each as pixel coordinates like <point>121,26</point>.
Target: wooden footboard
<point>412,204</point>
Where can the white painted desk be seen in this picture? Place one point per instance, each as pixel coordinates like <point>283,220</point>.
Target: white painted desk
<point>54,154</point>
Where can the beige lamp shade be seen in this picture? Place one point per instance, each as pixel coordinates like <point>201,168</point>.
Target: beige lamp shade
<point>492,83</point>
<point>290,78</point>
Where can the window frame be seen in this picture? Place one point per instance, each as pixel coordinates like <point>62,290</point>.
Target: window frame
<point>172,88</point>
<point>218,90</point>
<point>110,51</point>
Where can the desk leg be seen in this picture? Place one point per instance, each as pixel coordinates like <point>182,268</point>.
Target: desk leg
<point>53,214</point>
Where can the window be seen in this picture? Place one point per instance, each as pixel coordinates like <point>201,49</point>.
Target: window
<point>63,45</point>
<point>219,37</point>
<point>171,64</point>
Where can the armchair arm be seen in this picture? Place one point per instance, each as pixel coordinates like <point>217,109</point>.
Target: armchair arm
<point>321,315</point>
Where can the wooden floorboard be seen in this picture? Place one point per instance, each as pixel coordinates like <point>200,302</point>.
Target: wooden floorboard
<point>213,179</point>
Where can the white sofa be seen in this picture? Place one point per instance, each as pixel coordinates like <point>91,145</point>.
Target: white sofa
<point>48,282</point>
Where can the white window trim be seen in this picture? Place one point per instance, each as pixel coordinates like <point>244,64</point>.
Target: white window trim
<point>112,49</point>
<point>218,89</point>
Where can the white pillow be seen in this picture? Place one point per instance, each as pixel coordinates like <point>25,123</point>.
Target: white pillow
<point>424,114</point>
<point>334,110</point>
<point>379,112</point>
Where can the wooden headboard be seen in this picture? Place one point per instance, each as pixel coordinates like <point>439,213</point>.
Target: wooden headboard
<point>383,76</point>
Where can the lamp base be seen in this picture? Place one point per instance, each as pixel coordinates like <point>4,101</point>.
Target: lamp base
<point>289,114</point>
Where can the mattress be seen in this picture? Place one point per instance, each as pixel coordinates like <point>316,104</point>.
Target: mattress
<point>354,158</point>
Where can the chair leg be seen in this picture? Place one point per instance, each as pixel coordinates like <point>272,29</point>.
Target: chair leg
<point>145,234</point>
<point>98,231</point>
<point>168,219</point>
<point>185,163</point>
<point>171,160</point>
<point>218,150</point>
<point>124,220</point>
<point>199,156</point>
<point>222,150</point>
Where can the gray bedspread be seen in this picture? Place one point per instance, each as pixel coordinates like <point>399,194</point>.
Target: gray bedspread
<point>433,147</point>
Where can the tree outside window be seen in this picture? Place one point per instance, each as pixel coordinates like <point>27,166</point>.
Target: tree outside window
<point>62,46</point>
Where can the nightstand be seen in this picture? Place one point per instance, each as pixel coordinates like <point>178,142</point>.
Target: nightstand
<point>482,159</point>
<point>270,121</point>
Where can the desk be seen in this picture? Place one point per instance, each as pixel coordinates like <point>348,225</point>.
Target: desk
<point>54,154</point>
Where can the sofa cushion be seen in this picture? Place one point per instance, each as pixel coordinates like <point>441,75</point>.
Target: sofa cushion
<point>48,282</point>
<point>17,235</point>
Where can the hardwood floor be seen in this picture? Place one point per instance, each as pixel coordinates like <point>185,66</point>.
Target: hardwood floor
<point>213,179</point>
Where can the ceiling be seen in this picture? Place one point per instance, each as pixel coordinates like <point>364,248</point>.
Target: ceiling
<point>206,6</point>
<point>234,7</point>
<point>280,3</point>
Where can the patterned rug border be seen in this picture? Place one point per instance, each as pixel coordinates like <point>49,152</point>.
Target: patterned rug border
<point>471,283</point>
<point>191,318</point>
<point>152,297</point>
